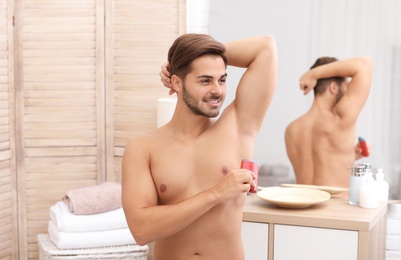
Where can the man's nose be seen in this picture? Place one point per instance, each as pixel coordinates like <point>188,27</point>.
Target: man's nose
<point>216,88</point>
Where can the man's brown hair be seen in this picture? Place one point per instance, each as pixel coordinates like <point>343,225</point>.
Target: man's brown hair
<point>188,47</point>
<point>322,84</point>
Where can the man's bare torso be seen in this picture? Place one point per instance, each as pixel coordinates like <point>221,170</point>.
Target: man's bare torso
<point>181,170</point>
<point>320,149</point>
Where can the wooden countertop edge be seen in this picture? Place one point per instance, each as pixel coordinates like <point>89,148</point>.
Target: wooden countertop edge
<point>256,210</point>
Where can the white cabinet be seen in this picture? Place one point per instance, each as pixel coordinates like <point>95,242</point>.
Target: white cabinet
<point>292,242</point>
<point>255,237</point>
<point>332,230</point>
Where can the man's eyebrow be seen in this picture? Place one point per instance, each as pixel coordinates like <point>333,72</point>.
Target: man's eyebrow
<point>204,76</point>
<point>211,77</point>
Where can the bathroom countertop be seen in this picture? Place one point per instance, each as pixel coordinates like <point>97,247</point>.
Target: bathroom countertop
<point>334,213</point>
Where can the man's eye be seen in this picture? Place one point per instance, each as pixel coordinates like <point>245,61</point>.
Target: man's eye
<point>222,81</point>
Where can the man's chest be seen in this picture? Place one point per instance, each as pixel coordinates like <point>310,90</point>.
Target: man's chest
<point>181,171</point>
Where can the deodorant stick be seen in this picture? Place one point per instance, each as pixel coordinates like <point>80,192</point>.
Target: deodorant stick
<point>246,164</point>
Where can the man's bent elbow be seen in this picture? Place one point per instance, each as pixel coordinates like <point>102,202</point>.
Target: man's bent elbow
<point>140,237</point>
<point>270,42</point>
<point>366,61</point>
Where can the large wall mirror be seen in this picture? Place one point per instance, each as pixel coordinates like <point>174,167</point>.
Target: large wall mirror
<point>305,30</point>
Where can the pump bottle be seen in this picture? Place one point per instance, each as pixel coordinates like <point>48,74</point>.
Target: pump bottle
<point>368,195</point>
<point>356,180</point>
<point>382,186</point>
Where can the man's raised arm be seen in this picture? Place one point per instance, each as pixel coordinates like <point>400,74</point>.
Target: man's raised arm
<point>257,85</point>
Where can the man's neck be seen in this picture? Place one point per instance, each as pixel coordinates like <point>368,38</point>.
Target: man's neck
<point>323,104</point>
<point>190,127</point>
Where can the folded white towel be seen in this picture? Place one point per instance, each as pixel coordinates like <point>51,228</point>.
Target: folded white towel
<point>393,242</point>
<point>69,222</point>
<point>66,240</point>
<point>394,226</point>
<point>394,210</point>
<point>393,255</point>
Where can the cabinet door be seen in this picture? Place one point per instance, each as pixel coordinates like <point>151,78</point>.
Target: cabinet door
<point>255,237</point>
<point>294,242</point>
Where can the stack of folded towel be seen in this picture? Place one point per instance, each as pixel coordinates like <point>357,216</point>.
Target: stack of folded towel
<point>393,235</point>
<point>90,217</point>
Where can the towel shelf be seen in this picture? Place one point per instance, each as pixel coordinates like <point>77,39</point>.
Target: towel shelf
<point>48,250</point>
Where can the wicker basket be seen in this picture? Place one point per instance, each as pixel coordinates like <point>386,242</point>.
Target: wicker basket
<point>48,250</point>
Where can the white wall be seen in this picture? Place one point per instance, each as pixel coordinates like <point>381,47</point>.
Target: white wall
<point>198,16</point>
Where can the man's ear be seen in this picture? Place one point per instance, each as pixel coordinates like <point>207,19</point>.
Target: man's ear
<point>333,88</point>
<point>176,82</point>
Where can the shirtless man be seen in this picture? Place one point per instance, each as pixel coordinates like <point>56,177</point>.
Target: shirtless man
<point>320,144</point>
<point>181,185</point>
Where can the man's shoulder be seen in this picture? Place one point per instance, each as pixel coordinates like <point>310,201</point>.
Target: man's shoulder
<point>298,122</point>
<point>301,124</point>
<point>141,140</point>
<point>292,129</point>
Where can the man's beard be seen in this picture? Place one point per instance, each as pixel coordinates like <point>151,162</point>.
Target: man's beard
<point>191,103</point>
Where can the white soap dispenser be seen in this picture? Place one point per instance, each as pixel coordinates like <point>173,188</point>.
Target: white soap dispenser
<point>368,196</point>
<point>382,186</point>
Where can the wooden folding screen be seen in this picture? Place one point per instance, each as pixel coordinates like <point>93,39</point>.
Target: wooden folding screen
<point>86,81</point>
<point>8,209</point>
<point>139,33</point>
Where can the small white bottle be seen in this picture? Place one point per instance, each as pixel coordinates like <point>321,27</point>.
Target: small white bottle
<point>368,196</point>
<point>382,186</point>
<point>356,181</point>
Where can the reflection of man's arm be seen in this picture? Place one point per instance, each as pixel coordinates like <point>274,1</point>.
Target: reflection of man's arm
<point>359,69</point>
